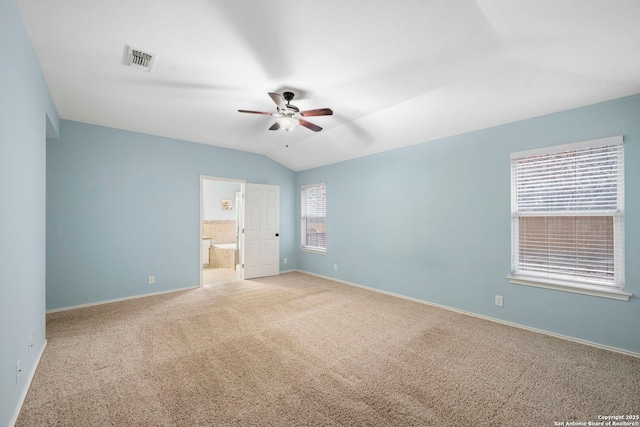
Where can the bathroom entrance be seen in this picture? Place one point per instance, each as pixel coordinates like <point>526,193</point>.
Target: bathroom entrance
<point>221,222</point>
<point>239,230</point>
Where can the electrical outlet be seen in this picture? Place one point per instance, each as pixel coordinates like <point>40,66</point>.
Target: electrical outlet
<point>499,300</point>
<point>335,267</point>
<point>18,370</point>
<point>285,260</point>
<point>152,280</point>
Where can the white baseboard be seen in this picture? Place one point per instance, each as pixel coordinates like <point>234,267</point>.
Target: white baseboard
<point>27,385</point>
<point>481,316</point>
<point>91,304</point>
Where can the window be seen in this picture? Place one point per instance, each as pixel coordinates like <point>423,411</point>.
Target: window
<point>567,213</point>
<point>314,214</point>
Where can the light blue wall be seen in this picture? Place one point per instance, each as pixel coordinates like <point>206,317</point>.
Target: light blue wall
<point>26,113</point>
<point>429,221</point>
<point>122,206</point>
<point>432,221</point>
<point>212,194</point>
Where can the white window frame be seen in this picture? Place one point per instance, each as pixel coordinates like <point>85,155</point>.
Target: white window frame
<point>304,216</point>
<point>614,288</point>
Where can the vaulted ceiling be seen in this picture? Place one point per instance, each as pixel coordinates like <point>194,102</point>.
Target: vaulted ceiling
<point>395,73</point>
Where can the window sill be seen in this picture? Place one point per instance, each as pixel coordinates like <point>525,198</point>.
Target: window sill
<point>314,250</point>
<point>559,285</point>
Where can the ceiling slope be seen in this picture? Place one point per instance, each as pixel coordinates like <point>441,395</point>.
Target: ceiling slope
<point>394,73</point>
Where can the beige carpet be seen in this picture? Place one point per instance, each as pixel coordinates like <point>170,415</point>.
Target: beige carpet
<point>213,276</point>
<point>299,350</point>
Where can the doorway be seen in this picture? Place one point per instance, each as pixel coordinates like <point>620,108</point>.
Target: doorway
<point>239,230</point>
<point>221,218</point>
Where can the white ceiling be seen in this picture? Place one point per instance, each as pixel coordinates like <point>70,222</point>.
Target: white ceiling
<point>395,73</point>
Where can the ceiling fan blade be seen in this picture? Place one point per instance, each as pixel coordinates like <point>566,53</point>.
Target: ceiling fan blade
<point>275,126</point>
<point>311,126</point>
<point>317,112</point>
<point>279,100</point>
<point>255,112</point>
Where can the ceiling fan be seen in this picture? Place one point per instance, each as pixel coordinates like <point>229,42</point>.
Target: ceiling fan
<point>288,116</point>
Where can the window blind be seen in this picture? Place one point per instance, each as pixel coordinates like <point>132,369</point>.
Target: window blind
<point>568,212</point>
<point>314,212</point>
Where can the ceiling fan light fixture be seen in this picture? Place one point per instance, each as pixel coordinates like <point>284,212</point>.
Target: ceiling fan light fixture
<point>287,123</point>
<point>288,116</point>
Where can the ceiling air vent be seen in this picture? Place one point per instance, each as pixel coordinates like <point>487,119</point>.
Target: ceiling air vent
<point>139,59</point>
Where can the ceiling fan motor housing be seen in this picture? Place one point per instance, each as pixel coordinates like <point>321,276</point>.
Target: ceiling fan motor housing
<point>288,96</point>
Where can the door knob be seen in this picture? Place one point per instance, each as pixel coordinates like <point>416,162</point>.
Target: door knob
<point>277,234</point>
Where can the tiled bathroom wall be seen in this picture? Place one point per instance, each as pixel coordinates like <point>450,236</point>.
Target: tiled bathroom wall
<point>219,231</point>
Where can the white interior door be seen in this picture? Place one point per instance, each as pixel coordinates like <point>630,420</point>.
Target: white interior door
<point>261,230</point>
